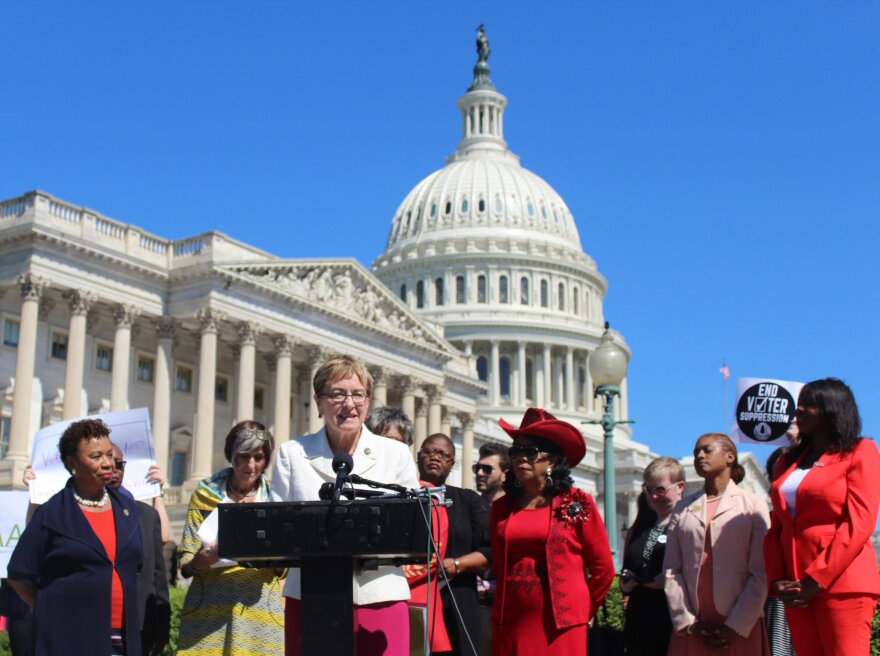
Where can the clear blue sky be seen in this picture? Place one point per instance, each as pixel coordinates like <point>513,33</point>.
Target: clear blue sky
<point>721,159</point>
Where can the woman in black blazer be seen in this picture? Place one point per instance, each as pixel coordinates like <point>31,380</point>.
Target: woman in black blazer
<point>77,561</point>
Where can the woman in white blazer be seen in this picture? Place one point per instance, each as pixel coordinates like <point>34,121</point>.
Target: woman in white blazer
<point>343,387</point>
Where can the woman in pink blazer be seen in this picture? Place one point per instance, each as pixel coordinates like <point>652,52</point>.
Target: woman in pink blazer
<point>715,581</point>
<point>819,556</point>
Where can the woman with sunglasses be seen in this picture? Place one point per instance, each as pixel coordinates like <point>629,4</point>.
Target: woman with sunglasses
<point>647,627</point>
<point>552,560</point>
<point>820,560</point>
<point>715,581</point>
<point>343,386</point>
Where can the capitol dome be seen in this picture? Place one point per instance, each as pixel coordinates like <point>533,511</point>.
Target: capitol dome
<point>490,253</point>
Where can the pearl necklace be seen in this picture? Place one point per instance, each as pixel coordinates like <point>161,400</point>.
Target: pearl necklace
<point>100,503</point>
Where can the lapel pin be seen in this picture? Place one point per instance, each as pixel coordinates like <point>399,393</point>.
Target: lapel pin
<point>125,511</point>
<point>367,451</point>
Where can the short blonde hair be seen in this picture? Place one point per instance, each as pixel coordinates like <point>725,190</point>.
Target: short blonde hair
<point>339,367</point>
<point>657,465</point>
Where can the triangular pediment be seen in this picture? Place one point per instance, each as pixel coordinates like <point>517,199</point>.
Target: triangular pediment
<point>345,289</point>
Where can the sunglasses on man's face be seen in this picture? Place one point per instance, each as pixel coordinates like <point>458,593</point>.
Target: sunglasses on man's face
<point>532,453</point>
<point>482,469</point>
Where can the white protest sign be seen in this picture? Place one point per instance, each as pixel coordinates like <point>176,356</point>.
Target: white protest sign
<point>13,511</point>
<point>764,410</point>
<point>129,430</point>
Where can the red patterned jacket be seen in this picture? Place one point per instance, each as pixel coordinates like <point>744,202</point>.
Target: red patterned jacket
<point>579,562</point>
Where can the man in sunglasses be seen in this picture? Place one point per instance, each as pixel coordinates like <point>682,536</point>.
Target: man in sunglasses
<point>489,471</point>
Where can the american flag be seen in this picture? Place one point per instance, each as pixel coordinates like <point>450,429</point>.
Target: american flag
<point>725,372</point>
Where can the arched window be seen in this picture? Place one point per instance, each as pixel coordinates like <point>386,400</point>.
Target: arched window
<point>481,289</point>
<point>438,291</point>
<point>545,294</point>
<point>574,300</point>
<point>504,376</point>
<point>459,289</point>
<point>561,296</point>
<point>502,290</point>
<point>448,207</point>
<point>481,206</point>
<point>420,294</point>
<point>433,209</point>
<point>524,291</point>
<point>403,292</point>
<point>482,368</point>
<point>464,206</point>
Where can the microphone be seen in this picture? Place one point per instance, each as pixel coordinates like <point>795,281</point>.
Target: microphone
<point>342,465</point>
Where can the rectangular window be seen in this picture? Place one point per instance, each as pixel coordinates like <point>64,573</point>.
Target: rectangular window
<point>145,369</point>
<point>183,381</point>
<point>178,468</point>
<point>10,332</point>
<point>459,289</point>
<point>59,346</point>
<point>259,394</point>
<point>221,389</point>
<point>104,357</point>
<point>5,423</point>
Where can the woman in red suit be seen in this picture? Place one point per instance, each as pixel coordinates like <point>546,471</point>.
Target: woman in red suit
<point>549,547</point>
<point>818,552</point>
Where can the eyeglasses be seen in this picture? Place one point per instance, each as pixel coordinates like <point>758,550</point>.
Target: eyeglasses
<point>485,469</point>
<point>532,453</point>
<point>338,397</point>
<point>442,456</point>
<point>657,491</point>
<point>120,464</point>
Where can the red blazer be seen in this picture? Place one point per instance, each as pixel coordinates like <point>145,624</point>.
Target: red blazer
<point>579,563</point>
<point>828,539</point>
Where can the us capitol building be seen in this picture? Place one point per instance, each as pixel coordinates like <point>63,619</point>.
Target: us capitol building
<point>482,304</point>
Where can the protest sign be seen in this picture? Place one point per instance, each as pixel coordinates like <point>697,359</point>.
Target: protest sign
<point>764,410</point>
<point>13,511</point>
<point>129,430</point>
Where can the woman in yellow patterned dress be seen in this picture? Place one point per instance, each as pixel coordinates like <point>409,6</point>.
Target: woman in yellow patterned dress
<point>230,610</point>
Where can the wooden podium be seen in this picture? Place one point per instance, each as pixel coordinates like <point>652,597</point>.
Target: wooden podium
<point>330,542</point>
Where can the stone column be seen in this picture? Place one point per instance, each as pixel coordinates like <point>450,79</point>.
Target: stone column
<point>467,450</point>
<point>445,424</point>
<point>247,333</point>
<point>317,359</point>
<point>632,507</point>
<point>494,374</point>
<point>421,423</point>
<point>548,377</point>
<point>570,379</point>
<point>380,387</point>
<point>80,302</point>
<point>435,410</point>
<point>559,382</point>
<point>162,392</point>
<point>124,316</point>
<point>203,442</point>
<point>408,402</point>
<point>624,400</point>
<point>522,396</point>
<point>283,350</point>
<point>20,429</point>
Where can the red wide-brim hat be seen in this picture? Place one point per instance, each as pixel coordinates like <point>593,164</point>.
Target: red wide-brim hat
<point>540,423</point>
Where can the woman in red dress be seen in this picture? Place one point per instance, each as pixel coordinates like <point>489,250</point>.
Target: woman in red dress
<point>549,547</point>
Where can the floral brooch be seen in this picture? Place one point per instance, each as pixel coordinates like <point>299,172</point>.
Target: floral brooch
<point>573,508</point>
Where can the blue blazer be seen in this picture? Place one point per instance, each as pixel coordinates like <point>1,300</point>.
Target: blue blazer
<point>61,556</point>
